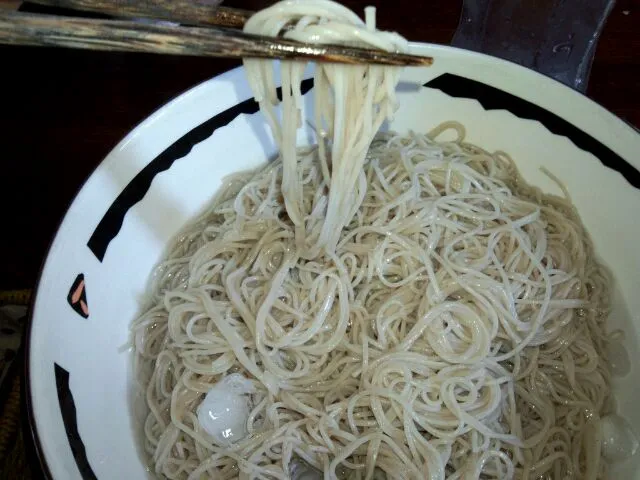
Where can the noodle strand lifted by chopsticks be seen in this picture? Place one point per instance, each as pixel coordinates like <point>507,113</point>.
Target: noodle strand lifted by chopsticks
<point>408,308</point>
<point>351,102</point>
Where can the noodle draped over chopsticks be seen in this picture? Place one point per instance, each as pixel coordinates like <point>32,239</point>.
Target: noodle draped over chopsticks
<point>351,102</point>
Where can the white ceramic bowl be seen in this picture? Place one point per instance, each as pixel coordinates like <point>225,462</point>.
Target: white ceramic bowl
<point>169,167</point>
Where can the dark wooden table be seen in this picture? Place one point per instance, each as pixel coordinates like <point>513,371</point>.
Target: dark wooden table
<point>63,110</point>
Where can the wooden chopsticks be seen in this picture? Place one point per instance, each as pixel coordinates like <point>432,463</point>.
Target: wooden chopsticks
<point>192,12</point>
<point>17,28</point>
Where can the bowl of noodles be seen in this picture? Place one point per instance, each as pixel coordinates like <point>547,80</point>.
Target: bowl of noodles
<point>369,273</point>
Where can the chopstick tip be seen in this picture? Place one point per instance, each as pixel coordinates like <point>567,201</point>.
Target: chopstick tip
<point>419,61</point>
